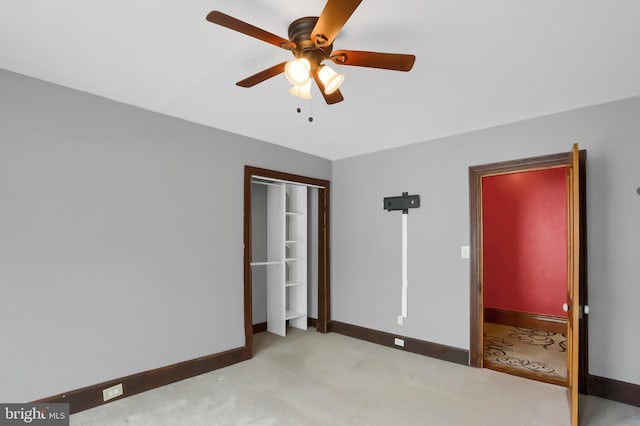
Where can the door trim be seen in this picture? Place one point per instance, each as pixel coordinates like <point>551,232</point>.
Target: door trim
<point>476,173</point>
<point>324,197</point>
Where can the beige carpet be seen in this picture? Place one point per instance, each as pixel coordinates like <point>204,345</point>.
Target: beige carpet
<point>308,378</point>
<point>533,351</point>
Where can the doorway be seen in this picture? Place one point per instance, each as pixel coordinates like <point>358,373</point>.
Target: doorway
<point>321,191</point>
<point>482,314</point>
<point>524,273</point>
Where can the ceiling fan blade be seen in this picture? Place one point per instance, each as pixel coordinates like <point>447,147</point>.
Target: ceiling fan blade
<point>262,76</point>
<point>232,23</point>
<point>387,61</point>
<point>331,99</point>
<point>332,19</point>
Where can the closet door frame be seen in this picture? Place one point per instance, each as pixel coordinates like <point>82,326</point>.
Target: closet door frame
<point>323,320</point>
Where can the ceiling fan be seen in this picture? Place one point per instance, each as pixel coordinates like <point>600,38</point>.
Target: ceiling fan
<point>311,42</point>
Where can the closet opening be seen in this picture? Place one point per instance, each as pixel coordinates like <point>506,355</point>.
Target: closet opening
<point>286,253</point>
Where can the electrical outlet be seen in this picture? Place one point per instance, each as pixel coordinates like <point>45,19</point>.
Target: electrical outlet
<point>112,392</point>
<point>398,342</point>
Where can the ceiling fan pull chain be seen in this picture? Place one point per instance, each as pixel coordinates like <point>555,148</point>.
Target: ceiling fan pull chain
<point>298,109</point>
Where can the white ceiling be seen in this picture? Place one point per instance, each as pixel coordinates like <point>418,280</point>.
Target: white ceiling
<point>479,63</point>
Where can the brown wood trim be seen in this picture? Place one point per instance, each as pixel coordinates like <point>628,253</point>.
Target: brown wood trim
<point>475,242</point>
<point>541,322</point>
<point>91,396</point>
<point>615,390</point>
<point>312,322</point>
<point>261,327</point>
<point>248,293</point>
<point>324,272</point>
<point>421,347</point>
<point>324,199</point>
<point>274,174</point>
<point>522,164</point>
<point>583,373</point>
<point>527,374</point>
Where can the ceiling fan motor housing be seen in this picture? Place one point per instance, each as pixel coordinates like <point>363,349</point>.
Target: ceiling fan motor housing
<point>300,33</point>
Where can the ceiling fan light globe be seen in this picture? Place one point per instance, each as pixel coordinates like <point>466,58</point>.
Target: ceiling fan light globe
<point>303,91</point>
<point>298,71</point>
<point>330,79</point>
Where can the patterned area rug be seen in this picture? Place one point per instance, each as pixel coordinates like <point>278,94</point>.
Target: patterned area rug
<point>540,352</point>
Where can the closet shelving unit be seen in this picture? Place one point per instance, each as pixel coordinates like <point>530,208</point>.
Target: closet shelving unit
<point>286,261</point>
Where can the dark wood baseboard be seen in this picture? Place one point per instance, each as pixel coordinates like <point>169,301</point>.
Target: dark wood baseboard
<point>91,396</point>
<point>615,390</point>
<point>422,347</point>
<point>312,322</point>
<point>526,320</point>
<point>259,328</point>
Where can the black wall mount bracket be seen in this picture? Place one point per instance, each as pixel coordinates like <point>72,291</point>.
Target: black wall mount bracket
<point>403,202</point>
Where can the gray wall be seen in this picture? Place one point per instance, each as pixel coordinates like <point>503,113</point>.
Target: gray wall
<point>259,252</point>
<point>121,234</point>
<point>121,245</point>
<point>366,240</point>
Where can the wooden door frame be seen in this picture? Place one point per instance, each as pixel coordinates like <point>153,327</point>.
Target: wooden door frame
<point>476,173</point>
<point>322,323</point>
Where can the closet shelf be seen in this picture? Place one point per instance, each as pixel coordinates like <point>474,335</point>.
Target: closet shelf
<point>286,214</point>
<point>271,262</point>
<point>289,314</point>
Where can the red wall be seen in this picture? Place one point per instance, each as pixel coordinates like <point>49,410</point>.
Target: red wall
<point>524,227</point>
